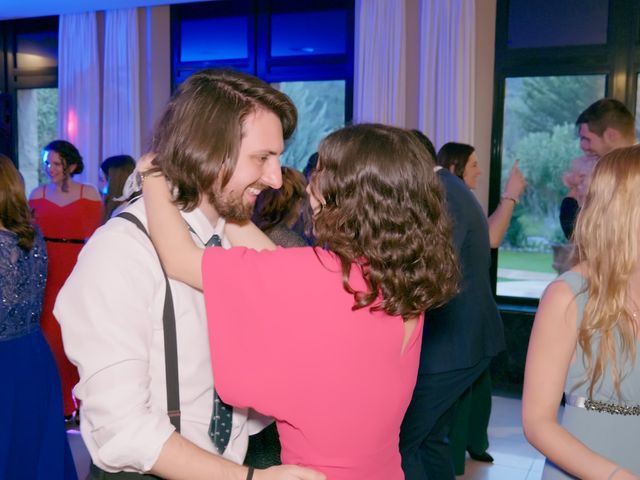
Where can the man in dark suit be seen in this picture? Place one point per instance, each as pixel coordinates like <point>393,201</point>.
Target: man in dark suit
<point>459,340</point>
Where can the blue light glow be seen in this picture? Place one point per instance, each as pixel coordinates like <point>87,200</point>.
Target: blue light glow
<point>220,38</point>
<point>309,33</point>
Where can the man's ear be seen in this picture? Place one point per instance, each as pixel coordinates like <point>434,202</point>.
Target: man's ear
<point>452,169</point>
<point>611,136</point>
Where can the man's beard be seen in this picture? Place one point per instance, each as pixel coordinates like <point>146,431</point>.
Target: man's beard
<point>230,206</point>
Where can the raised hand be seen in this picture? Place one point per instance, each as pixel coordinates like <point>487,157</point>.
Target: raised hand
<point>516,182</point>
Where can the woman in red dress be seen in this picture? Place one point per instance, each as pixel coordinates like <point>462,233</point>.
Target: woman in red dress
<point>67,212</point>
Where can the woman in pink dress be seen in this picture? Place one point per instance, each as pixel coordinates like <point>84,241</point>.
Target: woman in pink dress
<point>67,212</point>
<point>325,339</point>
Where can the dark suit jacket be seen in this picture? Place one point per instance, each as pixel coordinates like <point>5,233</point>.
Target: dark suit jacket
<point>469,327</point>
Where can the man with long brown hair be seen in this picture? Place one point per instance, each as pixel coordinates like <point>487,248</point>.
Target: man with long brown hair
<point>218,143</point>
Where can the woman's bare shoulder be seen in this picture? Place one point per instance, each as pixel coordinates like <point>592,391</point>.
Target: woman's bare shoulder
<point>37,192</point>
<point>90,192</point>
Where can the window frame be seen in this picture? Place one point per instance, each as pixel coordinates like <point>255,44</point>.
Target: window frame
<point>618,60</point>
<point>13,78</point>
<point>259,61</point>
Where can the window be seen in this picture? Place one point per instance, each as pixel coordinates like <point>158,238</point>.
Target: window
<point>305,49</point>
<point>320,111</point>
<point>211,39</point>
<point>37,126</point>
<point>29,106</point>
<point>36,50</point>
<point>539,130</point>
<point>541,23</point>
<point>305,33</point>
<point>549,67</point>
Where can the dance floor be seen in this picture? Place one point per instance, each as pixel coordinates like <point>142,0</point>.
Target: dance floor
<point>514,458</point>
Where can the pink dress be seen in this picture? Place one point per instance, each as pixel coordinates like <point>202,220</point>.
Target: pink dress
<point>286,342</point>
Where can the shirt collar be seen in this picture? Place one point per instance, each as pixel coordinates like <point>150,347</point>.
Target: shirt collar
<point>196,219</point>
<point>203,229</point>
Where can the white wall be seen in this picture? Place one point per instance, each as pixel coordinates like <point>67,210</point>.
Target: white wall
<point>485,60</point>
<point>155,68</point>
<point>485,48</point>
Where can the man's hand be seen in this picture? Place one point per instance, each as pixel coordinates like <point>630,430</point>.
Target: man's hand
<point>288,472</point>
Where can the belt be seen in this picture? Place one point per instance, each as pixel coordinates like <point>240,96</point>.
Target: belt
<point>603,407</point>
<point>64,240</point>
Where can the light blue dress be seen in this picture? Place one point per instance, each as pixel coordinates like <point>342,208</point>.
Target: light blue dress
<point>612,436</point>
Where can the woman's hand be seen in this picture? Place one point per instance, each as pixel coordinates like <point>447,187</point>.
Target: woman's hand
<point>179,255</point>
<point>515,183</point>
<point>145,162</point>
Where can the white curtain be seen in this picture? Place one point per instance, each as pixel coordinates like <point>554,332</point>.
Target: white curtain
<point>447,70</point>
<point>121,84</point>
<point>79,88</point>
<point>379,83</point>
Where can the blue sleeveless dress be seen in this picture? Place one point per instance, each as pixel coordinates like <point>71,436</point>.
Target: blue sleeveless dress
<point>612,436</point>
<point>33,441</point>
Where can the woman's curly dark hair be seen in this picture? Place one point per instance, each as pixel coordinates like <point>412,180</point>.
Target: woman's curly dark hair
<point>282,205</point>
<point>68,153</point>
<point>15,215</point>
<point>382,209</point>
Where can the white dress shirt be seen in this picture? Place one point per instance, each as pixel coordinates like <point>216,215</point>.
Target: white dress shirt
<point>110,312</point>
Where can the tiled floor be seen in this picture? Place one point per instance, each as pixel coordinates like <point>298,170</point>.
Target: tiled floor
<point>514,458</point>
<point>80,454</point>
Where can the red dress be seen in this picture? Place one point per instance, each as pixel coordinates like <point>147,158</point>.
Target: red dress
<point>65,228</point>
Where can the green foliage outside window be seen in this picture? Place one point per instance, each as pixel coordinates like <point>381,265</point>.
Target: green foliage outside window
<point>320,107</point>
<point>47,101</point>
<point>539,130</point>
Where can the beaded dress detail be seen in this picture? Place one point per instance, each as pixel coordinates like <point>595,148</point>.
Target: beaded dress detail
<point>23,275</point>
<point>605,423</point>
<point>33,441</point>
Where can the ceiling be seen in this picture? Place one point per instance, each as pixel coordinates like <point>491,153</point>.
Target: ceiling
<point>10,9</point>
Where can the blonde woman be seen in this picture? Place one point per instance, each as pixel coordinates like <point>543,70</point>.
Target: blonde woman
<point>585,335</point>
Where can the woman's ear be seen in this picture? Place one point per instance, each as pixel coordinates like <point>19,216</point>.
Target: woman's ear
<point>71,169</point>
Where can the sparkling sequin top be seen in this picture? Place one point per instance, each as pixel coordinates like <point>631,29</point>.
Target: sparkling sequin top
<point>22,279</point>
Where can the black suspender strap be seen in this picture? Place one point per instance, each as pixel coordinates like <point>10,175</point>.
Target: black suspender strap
<point>170,342</point>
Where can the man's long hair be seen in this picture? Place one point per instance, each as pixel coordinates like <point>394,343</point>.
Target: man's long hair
<point>274,207</point>
<point>198,137</point>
